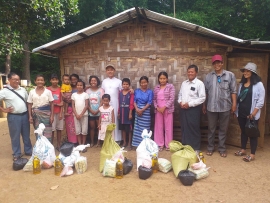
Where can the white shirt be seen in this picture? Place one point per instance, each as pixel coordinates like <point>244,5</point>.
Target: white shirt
<point>79,100</point>
<point>192,92</point>
<point>40,100</point>
<point>12,100</point>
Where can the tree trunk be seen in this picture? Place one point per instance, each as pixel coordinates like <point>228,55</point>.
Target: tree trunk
<point>26,62</point>
<point>8,64</point>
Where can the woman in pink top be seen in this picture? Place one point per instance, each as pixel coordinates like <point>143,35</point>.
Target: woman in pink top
<point>164,95</point>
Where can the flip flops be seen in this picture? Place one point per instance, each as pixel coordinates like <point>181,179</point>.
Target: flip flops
<point>223,154</point>
<point>209,153</point>
<point>239,153</point>
<point>248,158</point>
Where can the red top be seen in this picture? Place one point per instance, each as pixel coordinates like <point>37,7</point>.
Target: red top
<point>57,98</point>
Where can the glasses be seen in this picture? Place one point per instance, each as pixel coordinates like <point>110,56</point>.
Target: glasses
<point>219,79</point>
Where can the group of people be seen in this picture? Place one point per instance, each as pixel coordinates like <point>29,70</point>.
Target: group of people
<point>114,101</point>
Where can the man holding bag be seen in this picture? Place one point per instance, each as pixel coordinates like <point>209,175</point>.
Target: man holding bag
<point>15,98</point>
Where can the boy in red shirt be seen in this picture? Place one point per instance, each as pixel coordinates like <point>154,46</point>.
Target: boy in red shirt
<point>58,123</point>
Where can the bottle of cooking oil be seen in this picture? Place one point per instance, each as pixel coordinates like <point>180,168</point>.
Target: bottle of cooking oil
<point>36,165</point>
<point>154,163</point>
<point>202,157</point>
<point>57,166</point>
<point>119,169</point>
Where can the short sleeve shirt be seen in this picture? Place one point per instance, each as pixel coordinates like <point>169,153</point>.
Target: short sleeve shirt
<point>57,98</point>
<point>79,100</point>
<point>40,100</point>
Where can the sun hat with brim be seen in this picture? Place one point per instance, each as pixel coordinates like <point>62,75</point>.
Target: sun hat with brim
<point>217,58</point>
<point>251,67</point>
<point>110,65</point>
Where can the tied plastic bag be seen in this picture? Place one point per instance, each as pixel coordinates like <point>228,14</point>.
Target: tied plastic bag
<point>66,148</point>
<point>199,165</point>
<point>186,177</point>
<point>146,148</point>
<point>144,173</point>
<point>182,156</point>
<point>251,128</point>
<point>81,164</point>
<point>200,173</point>
<point>19,164</point>
<point>127,166</point>
<point>43,149</point>
<point>109,168</point>
<point>109,147</point>
<point>164,165</point>
<point>119,155</point>
<point>146,161</point>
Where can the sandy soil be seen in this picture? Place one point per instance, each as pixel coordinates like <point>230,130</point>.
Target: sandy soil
<point>230,180</point>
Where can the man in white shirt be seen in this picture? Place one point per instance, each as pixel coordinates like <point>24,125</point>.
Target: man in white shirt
<point>190,99</point>
<point>18,121</point>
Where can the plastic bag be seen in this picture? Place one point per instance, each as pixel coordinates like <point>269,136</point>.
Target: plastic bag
<point>127,166</point>
<point>81,164</point>
<point>67,171</point>
<point>66,148</point>
<point>109,147</point>
<point>43,149</point>
<point>146,161</point>
<point>119,155</point>
<point>186,177</point>
<point>164,165</point>
<point>200,173</point>
<point>19,164</point>
<point>146,148</point>
<point>182,156</point>
<point>144,173</point>
<point>199,165</point>
<point>109,168</point>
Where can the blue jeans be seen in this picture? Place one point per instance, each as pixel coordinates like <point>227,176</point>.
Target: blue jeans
<point>19,125</point>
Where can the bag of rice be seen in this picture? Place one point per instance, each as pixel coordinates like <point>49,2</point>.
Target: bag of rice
<point>109,168</point>
<point>200,173</point>
<point>81,164</point>
<point>164,165</point>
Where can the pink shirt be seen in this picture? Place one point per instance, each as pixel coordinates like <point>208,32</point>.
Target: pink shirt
<point>169,96</point>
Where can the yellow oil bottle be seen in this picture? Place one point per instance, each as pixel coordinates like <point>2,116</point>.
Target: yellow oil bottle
<point>202,157</point>
<point>154,163</point>
<point>119,169</point>
<point>36,165</point>
<point>57,166</point>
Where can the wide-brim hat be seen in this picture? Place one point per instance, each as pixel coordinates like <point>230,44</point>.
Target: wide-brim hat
<point>217,58</point>
<point>251,67</point>
<point>110,65</point>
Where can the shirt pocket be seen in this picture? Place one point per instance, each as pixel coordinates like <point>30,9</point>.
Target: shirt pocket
<point>224,85</point>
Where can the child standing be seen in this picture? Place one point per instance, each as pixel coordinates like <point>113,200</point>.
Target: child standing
<point>80,106</point>
<point>106,117</point>
<point>66,91</point>
<point>40,106</point>
<point>126,106</point>
<point>58,123</point>
<point>164,95</point>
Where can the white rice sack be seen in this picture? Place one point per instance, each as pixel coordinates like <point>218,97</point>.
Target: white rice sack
<point>164,165</point>
<point>200,173</point>
<point>109,168</point>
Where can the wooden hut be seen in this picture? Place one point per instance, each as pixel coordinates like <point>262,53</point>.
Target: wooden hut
<point>141,42</point>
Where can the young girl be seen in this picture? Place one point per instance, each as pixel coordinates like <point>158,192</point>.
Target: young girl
<point>40,106</point>
<point>106,117</point>
<point>95,94</point>
<point>142,102</point>
<point>164,95</point>
<point>126,106</point>
<point>80,106</point>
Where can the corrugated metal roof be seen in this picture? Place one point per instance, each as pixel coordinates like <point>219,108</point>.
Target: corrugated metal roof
<point>132,13</point>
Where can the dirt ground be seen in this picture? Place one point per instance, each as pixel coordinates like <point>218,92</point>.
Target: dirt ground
<point>230,180</point>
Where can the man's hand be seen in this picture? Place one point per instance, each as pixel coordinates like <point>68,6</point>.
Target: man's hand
<point>8,110</point>
<point>204,109</point>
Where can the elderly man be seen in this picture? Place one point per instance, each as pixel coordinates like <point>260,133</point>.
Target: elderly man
<point>221,92</point>
<point>15,98</point>
<point>190,99</point>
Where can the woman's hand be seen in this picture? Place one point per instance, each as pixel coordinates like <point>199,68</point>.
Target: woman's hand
<point>31,120</point>
<point>251,117</point>
<point>51,119</point>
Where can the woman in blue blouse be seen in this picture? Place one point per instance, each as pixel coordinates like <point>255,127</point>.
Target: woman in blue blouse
<point>142,102</point>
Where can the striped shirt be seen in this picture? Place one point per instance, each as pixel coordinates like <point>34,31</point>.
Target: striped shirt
<point>219,91</point>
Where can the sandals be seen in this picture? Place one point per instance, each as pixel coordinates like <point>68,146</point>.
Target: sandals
<point>223,154</point>
<point>129,148</point>
<point>239,153</point>
<point>209,153</point>
<point>248,158</point>
<point>160,149</point>
<point>167,149</point>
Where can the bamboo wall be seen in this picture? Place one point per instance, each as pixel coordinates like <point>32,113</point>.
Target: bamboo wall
<point>142,48</point>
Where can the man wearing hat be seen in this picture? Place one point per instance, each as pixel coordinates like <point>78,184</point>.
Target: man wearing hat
<point>220,86</point>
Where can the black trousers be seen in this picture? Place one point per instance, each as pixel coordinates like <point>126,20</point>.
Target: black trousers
<point>244,138</point>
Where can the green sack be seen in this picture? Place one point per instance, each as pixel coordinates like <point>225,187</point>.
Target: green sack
<point>182,155</point>
<point>109,147</point>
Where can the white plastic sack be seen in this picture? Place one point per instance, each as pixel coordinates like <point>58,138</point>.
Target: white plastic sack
<point>199,165</point>
<point>119,155</point>
<point>109,168</point>
<point>146,148</point>
<point>200,173</point>
<point>164,165</point>
<point>43,149</point>
<point>81,164</point>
